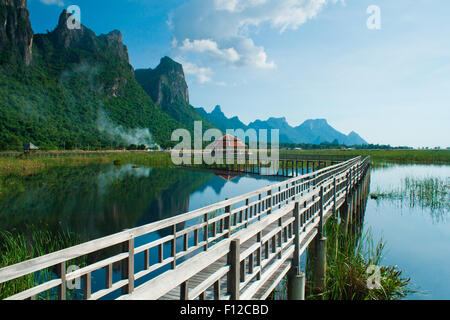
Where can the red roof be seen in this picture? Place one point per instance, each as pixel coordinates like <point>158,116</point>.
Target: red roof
<point>227,141</point>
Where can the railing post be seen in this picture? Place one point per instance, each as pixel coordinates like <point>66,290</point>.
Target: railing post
<point>128,267</point>
<point>293,193</point>
<point>87,286</point>
<point>235,272</point>
<point>228,221</point>
<point>62,287</point>
<point>184,291</point>
<point>174,246</point>
<point>206,231</point>
<point>334,196</point>
<point>296,260</point>
<point>320,231</point>
<point>348,184</point>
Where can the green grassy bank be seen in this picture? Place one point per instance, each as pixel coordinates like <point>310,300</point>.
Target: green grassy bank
<point>399,156</point>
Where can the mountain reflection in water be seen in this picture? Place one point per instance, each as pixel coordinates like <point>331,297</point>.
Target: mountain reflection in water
<point>96,201</point>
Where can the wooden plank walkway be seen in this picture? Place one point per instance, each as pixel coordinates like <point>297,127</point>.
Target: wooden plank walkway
<point>240,248</point>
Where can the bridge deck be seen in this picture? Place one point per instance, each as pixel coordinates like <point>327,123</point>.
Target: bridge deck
<point>267,287</point>
<point>240,247</point>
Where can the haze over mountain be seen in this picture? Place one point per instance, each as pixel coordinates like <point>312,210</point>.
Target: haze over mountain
<point>311,131</point>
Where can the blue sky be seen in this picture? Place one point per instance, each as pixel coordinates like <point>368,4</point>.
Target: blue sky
<point>298,59</point>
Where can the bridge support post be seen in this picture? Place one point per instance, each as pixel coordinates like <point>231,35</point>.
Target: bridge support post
<point>296,284</point>
<point>343,212</point>
<point>320,254</point>
<point>319,264</point>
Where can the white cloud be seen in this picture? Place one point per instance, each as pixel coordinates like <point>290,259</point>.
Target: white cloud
<point>59,3</point>
<point>203,75</point>
<point>211,47</point>
<point>219,31</point>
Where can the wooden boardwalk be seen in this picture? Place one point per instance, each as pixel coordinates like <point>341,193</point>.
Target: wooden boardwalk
<point>240,248</point>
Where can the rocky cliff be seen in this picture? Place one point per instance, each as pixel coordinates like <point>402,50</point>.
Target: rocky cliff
<point>16,34</point>
<point>86,39</point>
<point>166,85</point>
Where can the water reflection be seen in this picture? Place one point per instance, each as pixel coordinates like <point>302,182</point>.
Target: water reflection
<point>95,201</point>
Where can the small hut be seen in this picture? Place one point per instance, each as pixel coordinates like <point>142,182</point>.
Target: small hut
<point>227,142</point>
<point>29,148</point>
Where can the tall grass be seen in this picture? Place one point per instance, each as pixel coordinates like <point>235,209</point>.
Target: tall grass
<point>33,163</point>
<point>349,257</point>
<point>348,261</point>
<point>380,156</point>
<point>16,247</point>
<point>13,170</point>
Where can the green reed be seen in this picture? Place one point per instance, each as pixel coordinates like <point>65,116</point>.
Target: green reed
<point>24,165</point>
<point>19,246</point>
<point>349,258</point>
<point>429,192</point>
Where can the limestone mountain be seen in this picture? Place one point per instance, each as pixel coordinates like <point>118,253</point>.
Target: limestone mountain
<point>218,118</point>
<point>53,93</point>
<point>355,139</point>
<point>318,131</point>
<point>166,85</point>
<point>287,133</point>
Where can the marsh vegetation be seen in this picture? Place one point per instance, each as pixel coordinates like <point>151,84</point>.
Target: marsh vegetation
<point>429,192</point>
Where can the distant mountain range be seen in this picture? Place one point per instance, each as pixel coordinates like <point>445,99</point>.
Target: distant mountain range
<point>310,132</point>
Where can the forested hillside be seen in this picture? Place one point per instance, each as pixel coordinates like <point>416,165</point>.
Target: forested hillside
<point>71,88</point>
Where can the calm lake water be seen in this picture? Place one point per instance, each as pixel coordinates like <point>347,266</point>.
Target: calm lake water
<point>417,238</point>
<point>96,201</point>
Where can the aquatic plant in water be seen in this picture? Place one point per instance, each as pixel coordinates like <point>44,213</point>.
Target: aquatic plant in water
<point>349,258</point>
<point>429,192</point>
